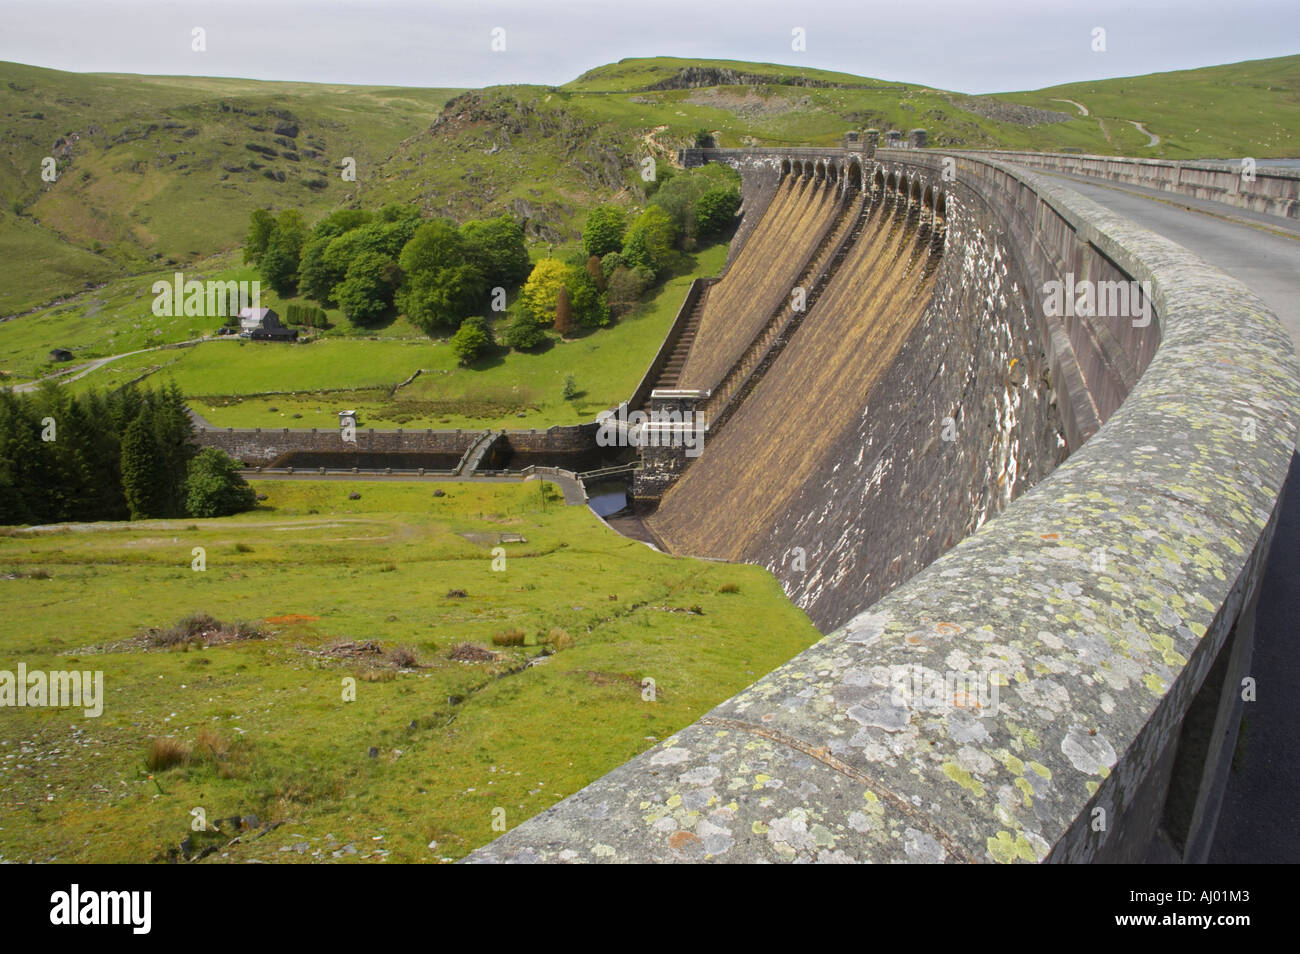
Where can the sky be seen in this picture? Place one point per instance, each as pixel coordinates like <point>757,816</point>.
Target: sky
<point>974,46</point>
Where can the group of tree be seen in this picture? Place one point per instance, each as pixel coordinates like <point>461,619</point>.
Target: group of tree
<point>444,276</point>
<point>435,272</point>
<point>628,255</point>
<point>129,453</point>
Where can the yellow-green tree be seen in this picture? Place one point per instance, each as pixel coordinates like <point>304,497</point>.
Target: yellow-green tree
<point>542,289</point>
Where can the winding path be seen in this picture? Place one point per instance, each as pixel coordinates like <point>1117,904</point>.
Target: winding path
<point>76,372</point>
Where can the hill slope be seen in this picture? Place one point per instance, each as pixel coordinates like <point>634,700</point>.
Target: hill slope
<point>161,170</point>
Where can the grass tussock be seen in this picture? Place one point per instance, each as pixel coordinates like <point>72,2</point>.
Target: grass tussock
<point>403,657</point>
<point>163,754</point>
<point>509,637</point>
<point>200,629</point>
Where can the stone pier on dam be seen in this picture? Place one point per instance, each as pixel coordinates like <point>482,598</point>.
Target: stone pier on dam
<point>1020,459</point>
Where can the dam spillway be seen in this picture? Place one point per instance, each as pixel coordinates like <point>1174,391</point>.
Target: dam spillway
<point>854,454</point>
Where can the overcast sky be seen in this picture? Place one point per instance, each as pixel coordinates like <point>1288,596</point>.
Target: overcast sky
<point>976,46</point>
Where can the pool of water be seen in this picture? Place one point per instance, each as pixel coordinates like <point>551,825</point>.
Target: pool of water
<point>607,497</point>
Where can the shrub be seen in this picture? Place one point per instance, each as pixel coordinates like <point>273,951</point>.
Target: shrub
<point>472,340</point>
<point>510,637</point>
<point>211,745</point>
<point>603,232</point>
<point>214,487</point>
<point>403,657</point>
<point>163,754</point>
<point>523,332</point>
<point>729,588</point>
<point>559,639</point>
<point>187,629</point>
<point>625,288</point>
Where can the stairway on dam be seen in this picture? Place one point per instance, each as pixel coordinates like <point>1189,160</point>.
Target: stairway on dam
<point>670,376</point>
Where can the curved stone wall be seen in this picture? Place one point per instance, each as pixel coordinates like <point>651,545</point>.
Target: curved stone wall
<point>1068,638</point>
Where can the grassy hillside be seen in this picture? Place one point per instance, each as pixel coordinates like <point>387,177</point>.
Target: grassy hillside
<point>157,173</point>
<point>160,170</point>
<point>1240,109</point>
<point>264,721</point>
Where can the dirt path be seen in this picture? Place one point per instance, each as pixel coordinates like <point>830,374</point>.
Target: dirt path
<point>1155,140</point>
<point>81,370</point>
<point>1083,110</point>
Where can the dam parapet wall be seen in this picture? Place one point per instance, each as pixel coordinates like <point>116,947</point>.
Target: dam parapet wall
<point>1242,183</point>
<point>1063,682</point>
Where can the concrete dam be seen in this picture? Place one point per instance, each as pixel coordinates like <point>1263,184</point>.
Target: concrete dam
<point>1021,459</point>
<point>910,398</point>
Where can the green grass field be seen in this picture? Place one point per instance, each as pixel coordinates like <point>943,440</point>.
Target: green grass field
<point>455,740</point>
<point>237,383</point>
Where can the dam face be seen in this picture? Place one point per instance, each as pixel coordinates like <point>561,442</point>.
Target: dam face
<point>1065,680</point>
<point>914,401</point>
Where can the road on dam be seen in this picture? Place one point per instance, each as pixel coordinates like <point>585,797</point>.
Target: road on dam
<point>1259,821</point>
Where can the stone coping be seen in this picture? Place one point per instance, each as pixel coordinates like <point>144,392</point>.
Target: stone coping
<point>1095,658</point>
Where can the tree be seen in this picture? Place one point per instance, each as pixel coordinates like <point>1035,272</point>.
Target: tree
<point>260,226</point>
<point>434,245</point>
<point>716,210</point>
<point>523,333</point>
<point>279,263</point>
<point>496,247</point>
<point>594,270</point>
<point>649,240</point>
<point>142,468</point>
<point>316,279</point>
<point>472,340</point>
<point>589,306</point>
<point>367,290</point>
<point>214,487</point>
<point>563,312</point>
<point>626,286</point>
<point>542,289</point>
<point>174,440</point>
<point>443,298</point>
<point>541,293</point>
<point>603,232</point>
<point>340,221</point>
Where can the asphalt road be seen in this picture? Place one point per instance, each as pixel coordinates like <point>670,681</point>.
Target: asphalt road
<point>1260,818</point>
